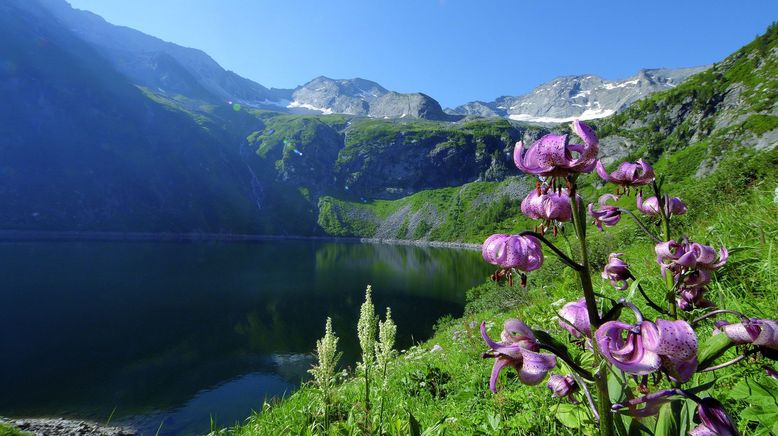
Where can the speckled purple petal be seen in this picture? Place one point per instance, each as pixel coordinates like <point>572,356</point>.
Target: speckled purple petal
<point>574,318</point>
<point>535,366</point>
<point>675,339</point>
<point>628,355</point>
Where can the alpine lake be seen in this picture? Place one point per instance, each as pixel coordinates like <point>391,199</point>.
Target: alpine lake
<point>168,337</point>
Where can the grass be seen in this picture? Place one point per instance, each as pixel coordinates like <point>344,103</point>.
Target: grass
<point>446,390</point>
<point>7,430</point>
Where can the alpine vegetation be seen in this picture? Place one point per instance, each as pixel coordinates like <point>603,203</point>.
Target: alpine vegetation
<point>635,366</point>
<point>324,373</point>
<point>366,332</point>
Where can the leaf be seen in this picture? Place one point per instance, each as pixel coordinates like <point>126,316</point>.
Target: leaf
<point>757,393</point>
<point>570,415</point>
<point>767,416</point>
<point>413,425</point>
<point>701,388</point>
<point>666,423</point>
<point>712,349</point>
<point>616,386</point>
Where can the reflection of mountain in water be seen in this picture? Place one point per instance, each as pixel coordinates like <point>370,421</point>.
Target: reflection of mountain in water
<point>171,330</point>
<point>402,266</point>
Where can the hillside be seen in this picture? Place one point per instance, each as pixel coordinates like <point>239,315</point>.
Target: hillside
<point>730,108</point>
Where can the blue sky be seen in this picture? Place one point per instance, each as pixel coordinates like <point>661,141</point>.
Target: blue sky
<point>454,50</point>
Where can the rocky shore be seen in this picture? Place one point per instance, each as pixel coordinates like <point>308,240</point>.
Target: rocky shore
<point>65,427</point>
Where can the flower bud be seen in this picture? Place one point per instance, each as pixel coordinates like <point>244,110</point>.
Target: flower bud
<point>617,271</point>
<point>561,385</point>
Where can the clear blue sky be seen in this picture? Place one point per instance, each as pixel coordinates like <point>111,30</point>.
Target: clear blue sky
<point>454,50</point>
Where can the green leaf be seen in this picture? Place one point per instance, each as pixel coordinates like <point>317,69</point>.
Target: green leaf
<point>756,392</point>
<point>666,423</point>
<point>413,425</point>
<point>764,414</point>
<point>571,415</point>
<point>712,349</point>
<point>617,383</point>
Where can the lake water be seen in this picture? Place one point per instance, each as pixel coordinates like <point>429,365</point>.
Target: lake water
<point>174,334</point>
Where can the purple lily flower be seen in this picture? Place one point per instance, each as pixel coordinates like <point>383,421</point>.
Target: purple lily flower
<point>686,256</point>
<point>552,155</point>
<point>519,351</point>
<point>713,420</point>
<point>628,354</point>
<point>617,271</point>
<point>547,206</point>
<point>513,251</point>
<point>628,173</point>
<point>574,318</point>
<point>562,386</point>
<point>607,214</point>
<point>691,297</point>
<point>672,205</point>
<point>760,332</point>
<point>676,343</point>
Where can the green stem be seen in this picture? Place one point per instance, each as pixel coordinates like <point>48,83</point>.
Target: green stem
<point>665,218</point>
<point>383,394</point>
<point>584,275</point>
<point>368,428</point>
<point>604,405</point>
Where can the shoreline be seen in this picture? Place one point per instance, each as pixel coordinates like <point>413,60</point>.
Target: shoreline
<point>53,235</point>
<point>62,426</point>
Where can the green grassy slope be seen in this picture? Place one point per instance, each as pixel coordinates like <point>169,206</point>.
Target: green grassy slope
<point>446,390</point>
<point>718,156</point>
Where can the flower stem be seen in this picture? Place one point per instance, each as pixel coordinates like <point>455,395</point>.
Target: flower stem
<point>640,224</point>
<point>584,275</point>
<point>580,371</point>
<point>562,256</point>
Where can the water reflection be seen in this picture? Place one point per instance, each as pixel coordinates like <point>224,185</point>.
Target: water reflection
<point>183,331</point>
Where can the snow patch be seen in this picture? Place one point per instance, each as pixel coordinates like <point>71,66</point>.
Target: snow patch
<point>297,104</point>
<point>588,114</point>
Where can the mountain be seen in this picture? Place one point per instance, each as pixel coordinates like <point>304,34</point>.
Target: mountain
<point>584,97</point>
<point>163,67</point>
<point>83,148</point>
<point>364,98</point>
<point>193,77</point>
<point>716,131</point>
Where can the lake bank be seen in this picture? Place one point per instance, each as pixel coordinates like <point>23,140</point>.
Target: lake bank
<point>60,426</point>
<point>36,235</point>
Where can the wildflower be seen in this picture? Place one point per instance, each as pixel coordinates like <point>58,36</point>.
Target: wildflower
<point>692,297</point>
<point>518,349</point>
<point>513,251</point>
<point>617,271</point>
<point>366,328</point>
<point>387,330</point>
<point>713,420</point>
<point>574,318</point>
<point>606,214</point>
<point>628,173</point>
<point>672,205</point>
<point>628,354</point>
<point>686,256</point>
<point>676,343</point>
<point>553,156</point>
<point>760,332</point>
<point>328,356</point>
<point>562,386</point>
<point>547,206</point>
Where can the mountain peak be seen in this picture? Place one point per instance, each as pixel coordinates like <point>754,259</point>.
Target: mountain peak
<point>581,96</point>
